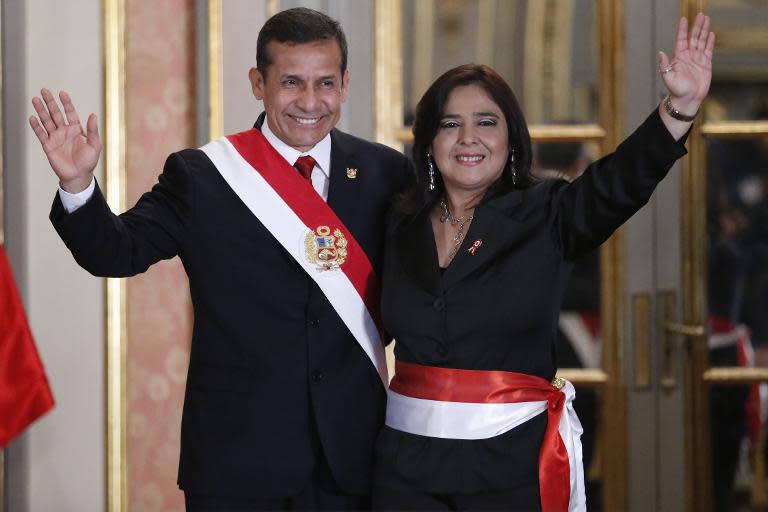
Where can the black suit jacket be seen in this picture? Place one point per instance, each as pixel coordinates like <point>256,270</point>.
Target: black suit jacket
<point>271,362</point>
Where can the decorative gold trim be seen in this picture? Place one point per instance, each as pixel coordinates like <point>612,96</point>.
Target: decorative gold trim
<point>588,377</point>
<point>743,40</point>
<point>486,31</point>
<point>734,129</point>
<point>641,339</point>
<point>215,72</point>
<point>736,375</point>
<point>114,155</point>
<point>422,54</point>
<point>567,133</point>
<point>534,59</point>
<point>389,74</point>
<point>666,340</point>
<point>696,417</point>
<point>273,7</point>
<point>613,407</point>
<point>698,474</point>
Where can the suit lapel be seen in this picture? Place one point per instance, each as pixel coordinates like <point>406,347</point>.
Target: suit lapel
<point>344,194</point>
<point>418,253</point>
<point>492,230</point>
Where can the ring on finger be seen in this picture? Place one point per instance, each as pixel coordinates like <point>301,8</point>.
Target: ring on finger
<point>665,70</point>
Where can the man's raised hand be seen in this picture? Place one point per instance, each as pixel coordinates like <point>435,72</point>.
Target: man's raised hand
<point>72,152</point>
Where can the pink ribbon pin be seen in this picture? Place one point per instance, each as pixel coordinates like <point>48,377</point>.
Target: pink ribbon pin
<point>475,246</point>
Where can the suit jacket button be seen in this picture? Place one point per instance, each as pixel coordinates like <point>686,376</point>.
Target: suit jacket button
<point>439,304</point>
<point>317,376</point>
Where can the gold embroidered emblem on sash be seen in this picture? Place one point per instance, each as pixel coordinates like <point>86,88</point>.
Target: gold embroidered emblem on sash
<point>325,250</point>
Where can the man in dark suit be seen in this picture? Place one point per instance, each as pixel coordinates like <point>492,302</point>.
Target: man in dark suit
<point>283,399</point>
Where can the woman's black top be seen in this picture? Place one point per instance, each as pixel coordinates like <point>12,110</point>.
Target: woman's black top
<point>497,309</point>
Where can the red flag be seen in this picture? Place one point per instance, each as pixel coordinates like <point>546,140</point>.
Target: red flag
<point>24,391</point>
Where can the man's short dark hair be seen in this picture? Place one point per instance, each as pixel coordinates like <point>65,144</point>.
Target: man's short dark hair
<point>298,26</point>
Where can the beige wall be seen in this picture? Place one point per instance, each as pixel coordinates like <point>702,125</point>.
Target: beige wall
<point>59,463</point>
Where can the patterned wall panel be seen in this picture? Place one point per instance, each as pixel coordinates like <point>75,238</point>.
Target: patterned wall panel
<point>160,71</point>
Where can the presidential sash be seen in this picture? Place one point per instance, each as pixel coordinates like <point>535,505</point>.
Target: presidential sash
<point>287,205</point>
<point>477,404</point>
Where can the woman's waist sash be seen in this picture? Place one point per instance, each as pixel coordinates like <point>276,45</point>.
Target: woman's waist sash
<point>479,404</point>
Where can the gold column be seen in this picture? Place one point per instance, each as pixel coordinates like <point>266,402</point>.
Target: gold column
<point>613,406</point>
<point>698,474</point>
<point>114,154</point>
<point>389,86</point>
<point>486,33</point>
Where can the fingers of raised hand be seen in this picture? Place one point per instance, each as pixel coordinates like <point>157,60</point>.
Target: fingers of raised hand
<point>43,114</point>
<point>700,38</point>
<point>42,135</point>
<point>664,65</point>
<point>709,48</point>
<point>53,108</point>
<point>681,41</point>
<point>69,108</point>
<point>693,42</point>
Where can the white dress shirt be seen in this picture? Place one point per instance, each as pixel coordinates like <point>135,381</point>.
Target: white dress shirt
<point>321,173</point>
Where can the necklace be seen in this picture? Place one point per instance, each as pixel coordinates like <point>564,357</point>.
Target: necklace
<point>457,222</point>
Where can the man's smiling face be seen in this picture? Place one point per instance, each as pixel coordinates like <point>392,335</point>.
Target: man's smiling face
<point>302,91</point>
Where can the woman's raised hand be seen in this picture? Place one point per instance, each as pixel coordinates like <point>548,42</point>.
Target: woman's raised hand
<point>688,75</point>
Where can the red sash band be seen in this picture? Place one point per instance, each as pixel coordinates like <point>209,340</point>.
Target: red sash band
<point>416,388</point>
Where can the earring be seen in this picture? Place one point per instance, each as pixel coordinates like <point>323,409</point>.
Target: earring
<point>431,168</point>
<point>512,166</point>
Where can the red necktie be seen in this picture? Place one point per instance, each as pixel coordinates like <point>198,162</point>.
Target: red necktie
<point>305,164</point>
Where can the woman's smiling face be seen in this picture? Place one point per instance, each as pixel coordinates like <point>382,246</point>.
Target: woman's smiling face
<point>472,142</point>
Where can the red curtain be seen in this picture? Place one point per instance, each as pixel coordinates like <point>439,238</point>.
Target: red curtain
<point>24,391</point>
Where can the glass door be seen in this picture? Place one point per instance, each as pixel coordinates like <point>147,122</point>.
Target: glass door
<point>724,332</point>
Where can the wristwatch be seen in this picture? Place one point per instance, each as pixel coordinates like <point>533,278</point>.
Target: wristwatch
<point>672,111</point>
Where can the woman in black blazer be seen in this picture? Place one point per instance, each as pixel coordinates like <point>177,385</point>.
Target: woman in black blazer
<point>478,256</point>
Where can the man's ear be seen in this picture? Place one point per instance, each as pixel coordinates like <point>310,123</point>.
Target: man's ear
<point>345,85</point>
<point>257,83</point>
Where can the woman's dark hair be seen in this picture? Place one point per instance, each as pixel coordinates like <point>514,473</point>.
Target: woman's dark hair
<point>429,113</point>
<point>298,26</point>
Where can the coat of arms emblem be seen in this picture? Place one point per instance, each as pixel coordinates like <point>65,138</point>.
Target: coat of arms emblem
<point>326,248</point>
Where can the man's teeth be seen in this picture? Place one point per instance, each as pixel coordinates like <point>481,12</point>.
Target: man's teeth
<point>307,120</point>
<point>475,158</point>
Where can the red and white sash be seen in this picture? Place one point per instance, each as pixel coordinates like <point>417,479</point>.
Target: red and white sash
<point>724,333</point>
<point>582,330</point>
<point>287,205</point>
<point>478,404</point>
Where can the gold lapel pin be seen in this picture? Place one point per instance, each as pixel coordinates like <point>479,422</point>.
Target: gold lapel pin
<point>351,173</point>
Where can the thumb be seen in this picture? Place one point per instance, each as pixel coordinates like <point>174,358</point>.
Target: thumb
<point>663,61</point>
<point>92,132</point>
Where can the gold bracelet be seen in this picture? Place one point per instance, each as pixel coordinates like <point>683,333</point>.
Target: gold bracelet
<point>672,111</point>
